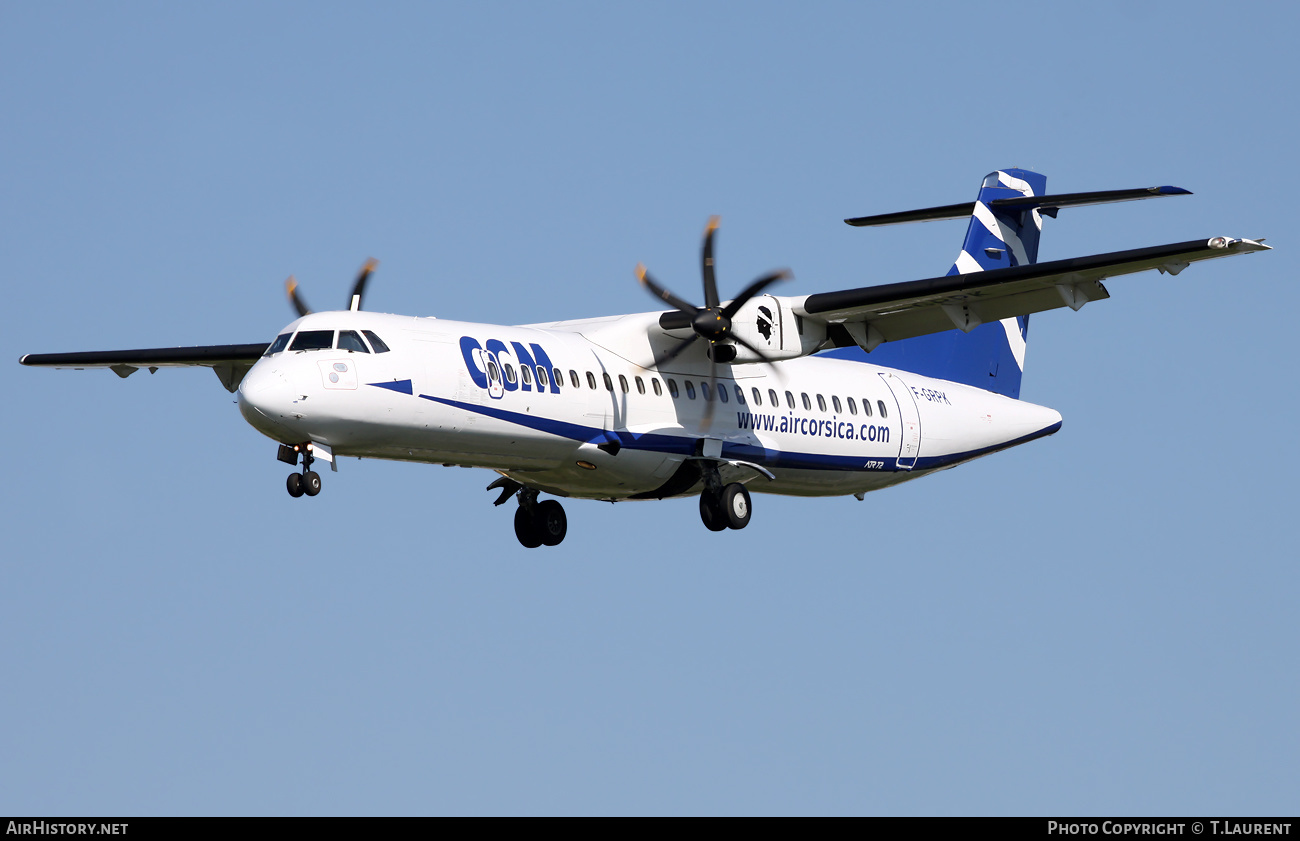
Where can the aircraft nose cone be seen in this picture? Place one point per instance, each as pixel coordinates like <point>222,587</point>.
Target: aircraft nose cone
<point>265,400</point>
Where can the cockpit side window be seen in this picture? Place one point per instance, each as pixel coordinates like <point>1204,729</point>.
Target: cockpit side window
<point>313,340</point>
<point>376,342</point>
<point>349,340</point>
<point>281,341</point>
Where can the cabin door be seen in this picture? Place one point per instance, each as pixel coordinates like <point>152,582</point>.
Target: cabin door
<point>909,420</point>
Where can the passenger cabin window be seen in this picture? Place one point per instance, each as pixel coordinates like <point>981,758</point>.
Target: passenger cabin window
<point>280,343</point>
<point>758,397</point>
<point>690,389</point>
<point>706,391</point>
<point>821,403</point>
<point>376,342</point>
<point>313,340</point>
<point>853,406</point>
<point>672,388</point>
<point>880,404</point>
<point>654,383</point>
<point>558,376</point>
<point>573,378</point>
<point>740,395</point>
<point>609,384</point>
<point>835,401</point>
<point>350,341</point>
<point>527,374</point>
<point>622,383</point>
<point>722,392</point>
<point>866,407</point>
<point>771,395</point>
<point>510,372</point>
<point>807,404</point>
<point>494,373</point>
<point>640,386</point>
<point>789,399</point>
<point>542,379</point>
<point>591,381</point>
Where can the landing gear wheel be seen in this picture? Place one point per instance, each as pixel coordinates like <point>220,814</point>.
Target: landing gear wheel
<point>550,522</point>
<point>710,513</point>
<point>311,483</point>
<point>735,506</point>
<point>530,536</point>
<point>294,484</point>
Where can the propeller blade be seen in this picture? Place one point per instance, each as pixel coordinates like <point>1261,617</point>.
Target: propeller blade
<point>706,259</point>
<point>662,293</point>
<point>753,289</point>
<point>291,286</point>
<point>359,288</point>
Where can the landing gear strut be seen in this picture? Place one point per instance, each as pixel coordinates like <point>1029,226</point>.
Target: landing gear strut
<point>308,481</point>
<point>724,506</point>
<point>539,523</point>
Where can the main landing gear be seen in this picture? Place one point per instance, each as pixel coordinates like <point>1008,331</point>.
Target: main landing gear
<point>308,481</point>
<point>724,506</point>
<point>536,523</point>
<point>539,523</point>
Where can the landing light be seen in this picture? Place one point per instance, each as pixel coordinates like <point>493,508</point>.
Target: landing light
<point>586,465</point>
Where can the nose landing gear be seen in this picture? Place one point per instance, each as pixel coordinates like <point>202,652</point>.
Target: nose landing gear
<point>308,481</point>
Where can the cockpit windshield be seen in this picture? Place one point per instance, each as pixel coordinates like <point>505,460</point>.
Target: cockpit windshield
<point>313,340</point>
<point>349,340</point>
<point>278,345</point>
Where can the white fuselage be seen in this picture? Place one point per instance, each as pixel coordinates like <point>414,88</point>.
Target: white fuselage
<point>454,393</point>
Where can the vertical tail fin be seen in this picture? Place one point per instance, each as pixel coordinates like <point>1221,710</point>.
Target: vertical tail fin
<point>988,356</point>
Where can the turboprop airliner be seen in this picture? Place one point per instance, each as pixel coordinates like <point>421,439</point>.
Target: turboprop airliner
<point>826,394</point>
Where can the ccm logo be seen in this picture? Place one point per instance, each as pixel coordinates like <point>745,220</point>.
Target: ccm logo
<point>487,364</point>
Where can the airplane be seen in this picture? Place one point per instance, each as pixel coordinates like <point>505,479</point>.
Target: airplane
<point>828,394</point>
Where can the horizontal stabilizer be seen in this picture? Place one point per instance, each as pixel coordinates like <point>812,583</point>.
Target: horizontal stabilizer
<point>1046,204</point>
<point>928,214</point>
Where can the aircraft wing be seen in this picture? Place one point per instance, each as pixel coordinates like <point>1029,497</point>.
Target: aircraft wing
<point>230,362</point>
<point>895,311</point>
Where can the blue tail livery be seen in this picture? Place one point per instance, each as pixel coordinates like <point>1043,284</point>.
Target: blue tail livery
<point>1006,221</point>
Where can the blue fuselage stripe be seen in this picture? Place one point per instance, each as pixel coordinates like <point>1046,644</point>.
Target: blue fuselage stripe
<point>685,445</point>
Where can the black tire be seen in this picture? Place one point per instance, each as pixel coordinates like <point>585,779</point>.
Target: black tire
<point>710,513</point>
<point>530,537</point>
<point>294,484</point>
<point>735,506</point>
<point>311,483</point>
<point>551,522</point>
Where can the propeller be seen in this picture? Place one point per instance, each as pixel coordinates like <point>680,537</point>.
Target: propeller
<point>712,322</point>
<point>354,301</point>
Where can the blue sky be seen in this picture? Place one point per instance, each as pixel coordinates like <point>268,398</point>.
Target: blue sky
<point>1101,622</point>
